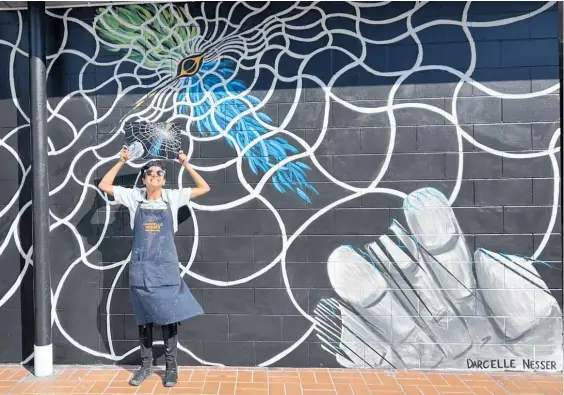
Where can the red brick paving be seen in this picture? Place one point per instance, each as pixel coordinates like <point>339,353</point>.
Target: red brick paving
<point>250,381</point>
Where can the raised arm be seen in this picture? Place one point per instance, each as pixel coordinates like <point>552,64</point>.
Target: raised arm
<point>107,183</point>
<point>202,186</point>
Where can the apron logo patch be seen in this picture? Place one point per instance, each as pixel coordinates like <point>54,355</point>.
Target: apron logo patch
<point>153,226</point>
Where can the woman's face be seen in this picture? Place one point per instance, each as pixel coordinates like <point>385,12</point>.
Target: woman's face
<point>154,177</point>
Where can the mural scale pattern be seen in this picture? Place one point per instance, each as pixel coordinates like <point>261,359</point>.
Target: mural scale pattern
<point>385,180</point>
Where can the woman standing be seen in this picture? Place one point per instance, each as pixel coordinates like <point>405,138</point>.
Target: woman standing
<point>159,295</point>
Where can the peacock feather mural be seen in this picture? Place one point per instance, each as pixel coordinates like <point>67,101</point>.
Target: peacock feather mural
<point>202,85</point>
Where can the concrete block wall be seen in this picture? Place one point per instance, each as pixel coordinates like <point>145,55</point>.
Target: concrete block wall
<point>429,231</point>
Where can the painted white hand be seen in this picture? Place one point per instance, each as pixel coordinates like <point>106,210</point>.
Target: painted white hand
<point>417,304</point>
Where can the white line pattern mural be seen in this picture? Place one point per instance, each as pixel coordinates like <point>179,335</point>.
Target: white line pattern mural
<point>419,285</point>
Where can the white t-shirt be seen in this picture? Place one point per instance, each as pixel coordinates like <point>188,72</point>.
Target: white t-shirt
<point>133,197</point>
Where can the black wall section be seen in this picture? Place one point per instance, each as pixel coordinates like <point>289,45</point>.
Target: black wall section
<point>503,198</point>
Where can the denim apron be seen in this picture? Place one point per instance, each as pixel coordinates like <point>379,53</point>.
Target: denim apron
<point>158,294</point>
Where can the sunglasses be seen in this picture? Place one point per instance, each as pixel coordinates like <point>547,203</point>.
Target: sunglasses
<point>159,173</point>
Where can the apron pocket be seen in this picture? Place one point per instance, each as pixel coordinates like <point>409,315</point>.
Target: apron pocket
<point>162,274</point>
<point>136,274</point>
<point>170,274</point>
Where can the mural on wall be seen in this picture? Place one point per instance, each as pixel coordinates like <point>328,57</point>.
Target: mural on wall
<point>425,287</point>
<point>198,85</point>
<point>416,298</point>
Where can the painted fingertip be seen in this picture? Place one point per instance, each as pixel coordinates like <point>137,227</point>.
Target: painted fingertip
<point>354,278</point>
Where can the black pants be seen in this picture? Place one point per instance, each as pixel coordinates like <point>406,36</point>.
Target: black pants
<point>170,339</point>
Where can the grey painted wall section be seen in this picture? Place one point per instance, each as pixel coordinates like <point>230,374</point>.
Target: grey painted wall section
<point>398,204</point>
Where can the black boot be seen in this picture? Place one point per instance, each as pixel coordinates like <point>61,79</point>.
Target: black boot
<point>146,343</point>
<point>170,337</point>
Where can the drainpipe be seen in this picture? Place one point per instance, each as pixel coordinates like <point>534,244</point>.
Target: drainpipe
<point>43,348</point>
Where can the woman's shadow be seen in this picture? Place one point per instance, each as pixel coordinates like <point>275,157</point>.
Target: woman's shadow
<point>91,226</point>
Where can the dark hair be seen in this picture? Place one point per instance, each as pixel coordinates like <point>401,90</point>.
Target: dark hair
<point>152,163</point>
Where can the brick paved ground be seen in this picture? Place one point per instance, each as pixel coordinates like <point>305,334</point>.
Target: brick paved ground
<point>230,381</point>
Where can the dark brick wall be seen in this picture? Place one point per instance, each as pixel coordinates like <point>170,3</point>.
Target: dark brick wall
<point>504,203</point>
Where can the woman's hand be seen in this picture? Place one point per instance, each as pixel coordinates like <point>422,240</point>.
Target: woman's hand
<point>124,154</point>
<point>182,158</point>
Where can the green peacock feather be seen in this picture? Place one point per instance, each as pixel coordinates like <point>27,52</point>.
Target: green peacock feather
<point>152,35</point>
